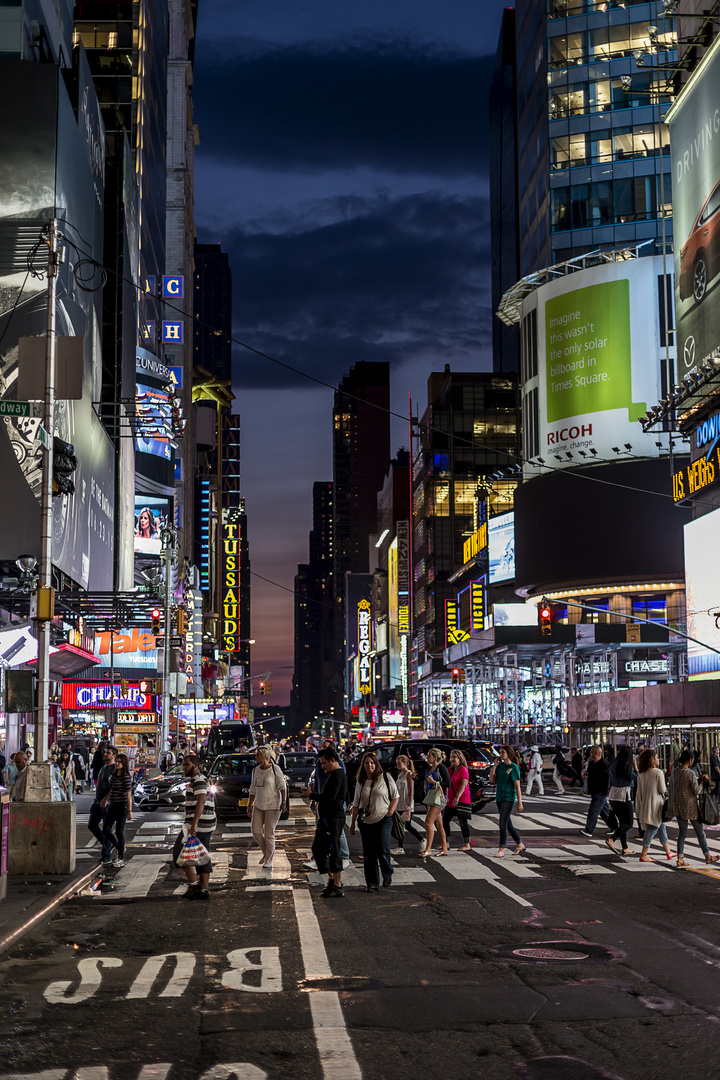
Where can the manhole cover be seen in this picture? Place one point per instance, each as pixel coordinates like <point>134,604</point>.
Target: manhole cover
<point>553,952</point>
<point>549,954</point>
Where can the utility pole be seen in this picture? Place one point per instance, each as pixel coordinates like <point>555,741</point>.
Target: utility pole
<point>168,550</point>
<point>44,595</point>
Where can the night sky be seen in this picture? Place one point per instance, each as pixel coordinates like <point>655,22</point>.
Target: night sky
<point>343,166</point>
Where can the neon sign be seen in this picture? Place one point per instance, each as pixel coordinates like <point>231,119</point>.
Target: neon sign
<point>364,684</point>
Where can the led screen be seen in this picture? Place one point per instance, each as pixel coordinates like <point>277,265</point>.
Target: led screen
<point>501,547</point>
<point>153,418</point>
<point>702,589</point>
<point>152,514</point>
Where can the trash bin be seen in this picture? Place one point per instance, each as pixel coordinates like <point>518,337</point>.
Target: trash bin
<point>4,839</point>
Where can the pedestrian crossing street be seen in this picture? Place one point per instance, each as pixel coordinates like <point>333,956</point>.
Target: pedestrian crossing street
<point>551,839</point>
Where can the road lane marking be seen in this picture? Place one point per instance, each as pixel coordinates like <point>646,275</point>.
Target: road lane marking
<point>312,946</point>
<point>267,965</point>
<point>182,973</point>
<point>511,864</point>
<point>140,874</point>
<point>280,868</point>
<point>90,978</point>
<point>471,870</point>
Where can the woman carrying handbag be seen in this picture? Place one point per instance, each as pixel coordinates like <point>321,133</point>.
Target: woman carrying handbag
<point>437,781</point>
<point>683,794</point>
<point>459,804</point>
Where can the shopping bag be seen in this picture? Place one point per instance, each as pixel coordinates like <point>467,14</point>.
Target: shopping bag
<point>708,808</point>
<point>193,853</point>
<point>398,827</point>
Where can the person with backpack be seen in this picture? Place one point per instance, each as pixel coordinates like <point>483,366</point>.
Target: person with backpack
<point>374,803</point>
<point>535,771</point>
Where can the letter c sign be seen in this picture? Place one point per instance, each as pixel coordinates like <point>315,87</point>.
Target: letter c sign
<point>172,286</point>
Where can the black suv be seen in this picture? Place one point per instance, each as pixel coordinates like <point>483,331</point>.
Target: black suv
<point>480,762</point>
<point>230,776</point>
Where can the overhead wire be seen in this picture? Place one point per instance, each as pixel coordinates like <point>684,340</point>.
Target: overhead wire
<point>575,473</point>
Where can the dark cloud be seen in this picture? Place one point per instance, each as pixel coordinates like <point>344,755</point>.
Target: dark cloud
<point>399,105</point>
<point>401,280</point>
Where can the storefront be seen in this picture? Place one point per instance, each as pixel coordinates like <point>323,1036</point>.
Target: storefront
<point>123,713</point>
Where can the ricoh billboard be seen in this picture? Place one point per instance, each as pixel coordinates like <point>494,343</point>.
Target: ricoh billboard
<point>694,122</point>
<point>598,367</point>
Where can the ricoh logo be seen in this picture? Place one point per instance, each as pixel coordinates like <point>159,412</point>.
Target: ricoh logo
<point>563,435</point>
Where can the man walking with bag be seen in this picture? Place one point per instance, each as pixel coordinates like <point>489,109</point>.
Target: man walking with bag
<point>200,821</point>
<point>535,771</point>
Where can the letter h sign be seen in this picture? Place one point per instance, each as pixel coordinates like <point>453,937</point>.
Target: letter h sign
<point>172,332</point>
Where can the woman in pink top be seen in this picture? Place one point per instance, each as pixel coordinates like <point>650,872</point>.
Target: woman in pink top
<point>459,804</point>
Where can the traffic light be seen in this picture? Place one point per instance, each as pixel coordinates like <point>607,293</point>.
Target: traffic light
<point>455,676</point>
<point>261,686</point>
<point>155,621</point>
<point>181,622</point>
<point>545,618</point>
<point>64,465</point>
<point>124,687</point>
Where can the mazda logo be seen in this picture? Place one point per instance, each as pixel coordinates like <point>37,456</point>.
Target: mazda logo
<point>689,351</point>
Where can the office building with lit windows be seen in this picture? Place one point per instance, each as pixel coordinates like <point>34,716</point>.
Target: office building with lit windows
<point>592,154</point>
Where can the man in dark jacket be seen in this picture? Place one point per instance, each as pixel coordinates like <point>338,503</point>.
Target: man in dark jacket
<point>598,782</point>
<point>330,821</point>
<point>97,812</point>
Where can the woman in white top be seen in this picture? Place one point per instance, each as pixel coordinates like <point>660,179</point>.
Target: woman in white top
<point>267,792</point>
<point>375,801</point>
<point>649,802</point>
<point>406,804</point>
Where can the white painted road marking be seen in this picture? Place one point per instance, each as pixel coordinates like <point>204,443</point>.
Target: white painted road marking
<point>268,965</point>
<point>140,874</point>
<point>335,1050</point>
<point>280,868</point>
<point>90,978</point>
<point>182,973</point>
<point>471,870</point>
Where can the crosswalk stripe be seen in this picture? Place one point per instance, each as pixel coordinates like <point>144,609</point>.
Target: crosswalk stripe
<point>511,864</point>
<point>140,874</point>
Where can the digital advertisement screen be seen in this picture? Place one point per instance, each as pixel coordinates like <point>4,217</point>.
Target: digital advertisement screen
<point>702,590</point>
<point>153,417</point>
<point>515,615</point>
<point>599,361</point>
<point>501,547</point>
<point>152,515</point>
<point>695,156</point>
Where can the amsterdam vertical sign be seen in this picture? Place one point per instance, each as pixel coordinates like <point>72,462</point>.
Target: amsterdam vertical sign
<point>231,537</point>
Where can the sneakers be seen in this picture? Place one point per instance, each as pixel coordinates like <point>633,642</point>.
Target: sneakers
<point>191,891</point>
<point>423,846</point>
<point>331,891</point>
<point>203,894</point>
<point>118,862</point>
<point>584,832</point>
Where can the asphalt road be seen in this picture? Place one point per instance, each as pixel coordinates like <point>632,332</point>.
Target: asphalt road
<point>567,962</point>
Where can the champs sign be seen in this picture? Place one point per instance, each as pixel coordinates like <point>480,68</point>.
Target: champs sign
<point>231,537</point>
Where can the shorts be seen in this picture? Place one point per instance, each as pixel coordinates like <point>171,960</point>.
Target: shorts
<point>204,839</point>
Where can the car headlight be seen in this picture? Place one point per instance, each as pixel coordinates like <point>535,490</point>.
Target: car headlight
<point>139,789</point>
<point>177,788</point>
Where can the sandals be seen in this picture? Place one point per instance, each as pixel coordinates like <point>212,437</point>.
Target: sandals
<point>611,844</point>
<point>519,849</point>
<point>500,854</point>
<point>711,858</point>
<point>645,858</point>
<point>439,854</point>
<point>681,861</point>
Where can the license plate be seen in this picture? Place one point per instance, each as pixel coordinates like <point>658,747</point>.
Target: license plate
<point>243,802</point>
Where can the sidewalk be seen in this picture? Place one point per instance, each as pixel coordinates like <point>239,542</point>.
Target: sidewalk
<point>31,898</point>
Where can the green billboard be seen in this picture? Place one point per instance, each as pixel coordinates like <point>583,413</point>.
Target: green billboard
<point>588,352</point>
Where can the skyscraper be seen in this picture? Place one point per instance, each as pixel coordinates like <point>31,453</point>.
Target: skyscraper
<point>213,310</point>
<point>361,456</point>
<point>313,684</point>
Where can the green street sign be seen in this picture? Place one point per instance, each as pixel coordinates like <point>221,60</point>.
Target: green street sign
<point>20,408</point>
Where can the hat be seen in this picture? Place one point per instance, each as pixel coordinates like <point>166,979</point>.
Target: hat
<point>535,749</point>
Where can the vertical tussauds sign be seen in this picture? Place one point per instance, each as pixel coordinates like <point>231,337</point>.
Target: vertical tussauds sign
<point>230,614</point>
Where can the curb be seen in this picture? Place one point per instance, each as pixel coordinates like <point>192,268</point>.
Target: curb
<point>18,928</point>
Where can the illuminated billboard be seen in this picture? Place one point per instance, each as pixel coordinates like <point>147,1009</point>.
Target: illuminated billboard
<point>154,424</point>
<point>152,515</point>
<point>130,649</point>
<point>702,591</point>
<point>230,582</point>
<point>501,547</point>
<point>694,122</point>
<point>598,364</point>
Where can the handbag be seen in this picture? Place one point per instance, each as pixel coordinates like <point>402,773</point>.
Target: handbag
<point>666,815</point>
<point>398,827</point>
<point>463,809</point>
<point>708,808</point>
<point>285,809</point>
<point>434,797</point>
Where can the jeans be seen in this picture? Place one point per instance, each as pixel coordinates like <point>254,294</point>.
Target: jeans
<point>506,825</point>
<point>115,814</point>
<point>376,851</point>
<point>95,823</point>
<point>558,780</point>
<point>598,804</point>
<point>624,814</point>
<point>327,844</point>
<point>263,824</point>
<point>655,830</point>
<point>448,814</point>
<point>533,776</point>
<point>699,832</point>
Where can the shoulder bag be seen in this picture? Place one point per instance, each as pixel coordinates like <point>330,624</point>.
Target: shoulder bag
<point>708,808</point>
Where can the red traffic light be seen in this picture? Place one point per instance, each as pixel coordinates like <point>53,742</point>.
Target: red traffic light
<point>545,613</point>
<point>545,618</point>
<point>456,671</point>
<point>156,613</point>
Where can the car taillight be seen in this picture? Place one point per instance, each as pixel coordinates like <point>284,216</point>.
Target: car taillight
<point>478,765</point>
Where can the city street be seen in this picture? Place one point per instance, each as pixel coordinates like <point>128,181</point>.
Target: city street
<point>485,967</point>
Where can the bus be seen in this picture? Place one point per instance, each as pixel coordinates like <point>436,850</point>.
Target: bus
<point>226,737</point>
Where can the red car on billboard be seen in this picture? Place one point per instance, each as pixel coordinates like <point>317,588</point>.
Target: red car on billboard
<point>700,257</point>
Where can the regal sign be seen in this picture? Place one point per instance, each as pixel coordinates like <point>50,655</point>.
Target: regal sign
<point>364,681</point>
<point>231,538</point>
